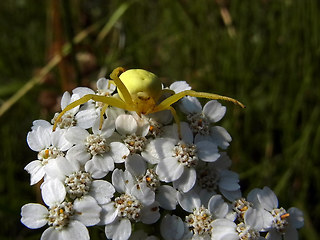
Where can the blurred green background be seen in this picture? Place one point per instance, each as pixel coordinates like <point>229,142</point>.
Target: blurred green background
<point>264,53</point>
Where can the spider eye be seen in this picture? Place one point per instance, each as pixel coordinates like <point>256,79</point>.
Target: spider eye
<point>140,82</point>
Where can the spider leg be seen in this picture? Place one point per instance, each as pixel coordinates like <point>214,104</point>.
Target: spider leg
<point>176,97</point>
<point>103,110</point>
<point>115,77</point>
<point>107,100</point>
<point>177,120</point>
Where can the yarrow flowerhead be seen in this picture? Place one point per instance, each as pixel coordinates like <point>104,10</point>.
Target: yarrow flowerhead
<point>127,157</point>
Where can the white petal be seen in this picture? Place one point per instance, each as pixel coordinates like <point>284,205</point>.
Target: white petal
<point>231,195</point>
<point>218,207</point>
<point>94,170</point>
<point>118,230</point>
<point>51,234</point>
<point>179,86</point>
<point>102,83</point>
<point>34,215</point>
<point>190,105</point>
<point>171,227</point>
<point>214,110</point>
<point>223,229</point>
<point>296,217</point>
<point>220,136</point>
<point>108,213</point>
<point>143,193</point>
<point>158,149</point>
<point>61,167</point>
<point>118,152</point>
<point>76,135</point>
<point>113,112</point>
<point>136,165</point>
<point>254,218</point>
<point>169,169</point>
<point>86,118</point>
<point>207,151</point>
<point>53,192</point>
<point>75,230</point>
<point>39,139</point>
<point>229,180</point>
<point>189,201</point>
<point>268,199</point>
<point>59,140</point>
<point>102,191</point>
<point>167,197</point>
<point>126,124</point>
<point>186,180</point>
<point>40,123</point>
<point>107,129</point>
<point>104,163</point>
<point>78,153</point>
<point>88,210</point>
<point>82,91</point>
<point>65,100</point>
<point>150,214</point>
<point>36,171</point>
<point>172,132</point>
<point>123,181</point>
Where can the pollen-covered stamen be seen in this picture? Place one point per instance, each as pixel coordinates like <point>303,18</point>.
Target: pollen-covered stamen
<point>199,123</point>
<point>151,179</point>
<point>78,184</point>
<point>207,178</point>
<point>49,153</point>
<point>186,154</point>
<point>240,206</point>
<point>96,144</point>
<point>155,128</point>
<point>135,144</point>
<point>59,215</point>
<point>280,219</point>
<point>199,222</point>
<point>66,121</point>
<point>246,232</point>
<point>128,207</point>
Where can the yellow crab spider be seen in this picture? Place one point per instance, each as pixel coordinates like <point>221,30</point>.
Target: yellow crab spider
<point>140,91</point>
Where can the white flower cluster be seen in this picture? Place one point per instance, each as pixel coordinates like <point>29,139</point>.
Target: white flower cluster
<point>142,178</point>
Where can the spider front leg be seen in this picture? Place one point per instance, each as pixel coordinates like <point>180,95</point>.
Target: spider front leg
<point>116,102</point>
<point>165,104</point>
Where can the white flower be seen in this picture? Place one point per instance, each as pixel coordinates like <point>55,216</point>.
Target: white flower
<point>201,120</point>
<point>133,131</point>
<point>78,182</point>
<point>97,150</point>
<point>49,146</point>
<point>66,220</point>
<point>215,177</point>
<point>165,194</point>
<point>250,225</point>
<point>198,224</point>
<point>281,223</point>
<point>135,204</point>
<point>83,117</point>
<point>177,158</point>
<point>105,87</point>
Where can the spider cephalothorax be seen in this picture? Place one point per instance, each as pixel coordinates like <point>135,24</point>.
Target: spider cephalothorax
<point>140,91</point>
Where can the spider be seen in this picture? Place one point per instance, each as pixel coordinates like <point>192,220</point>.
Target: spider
<point>140,91</point>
